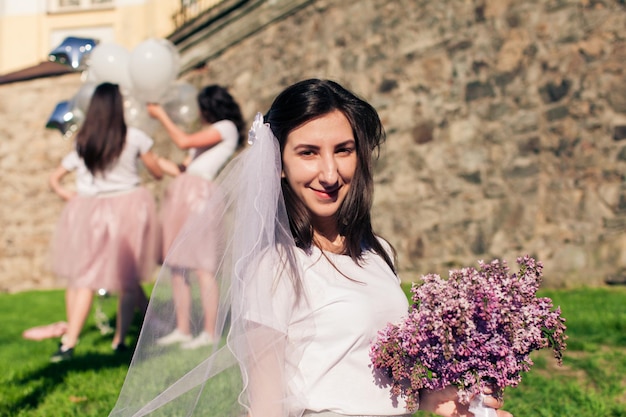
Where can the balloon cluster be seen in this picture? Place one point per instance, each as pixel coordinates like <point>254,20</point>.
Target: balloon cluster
<point>147,74</point>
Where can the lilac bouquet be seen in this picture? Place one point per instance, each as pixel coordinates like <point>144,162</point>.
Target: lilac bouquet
<point>473,330</point>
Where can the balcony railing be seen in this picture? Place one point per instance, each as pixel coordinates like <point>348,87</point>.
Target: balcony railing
<point>63,6</point>
<point>190,9</point>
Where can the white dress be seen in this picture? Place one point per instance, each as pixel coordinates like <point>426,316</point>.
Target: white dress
<point>331,330</point>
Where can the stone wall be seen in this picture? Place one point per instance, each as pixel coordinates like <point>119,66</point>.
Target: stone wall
<point>506,123</point>
<point>28,155</point>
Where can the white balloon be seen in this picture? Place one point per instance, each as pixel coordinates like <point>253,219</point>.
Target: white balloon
<point>109,62</point>
<point>175,56</point>
<point>79,118</point>
<point>152,69</point>
<point>136,115</point>
<point>82,98</point>
<point>87,76</point>
<point>181,104</point>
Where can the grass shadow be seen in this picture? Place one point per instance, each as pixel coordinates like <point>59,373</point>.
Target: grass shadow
<point>52,377</point>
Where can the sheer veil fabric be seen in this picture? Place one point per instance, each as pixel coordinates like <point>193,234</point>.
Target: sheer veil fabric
<point>249,372</point>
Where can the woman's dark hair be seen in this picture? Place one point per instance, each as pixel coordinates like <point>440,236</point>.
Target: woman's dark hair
<point>308,100</point>
<point>102,137</point>
<point>217,104</point>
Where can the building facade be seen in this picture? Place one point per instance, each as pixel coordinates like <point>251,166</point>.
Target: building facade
<point>30,29</point>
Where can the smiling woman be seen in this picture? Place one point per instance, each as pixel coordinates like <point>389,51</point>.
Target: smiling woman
<point>306,282</point>
<point>319,162</point>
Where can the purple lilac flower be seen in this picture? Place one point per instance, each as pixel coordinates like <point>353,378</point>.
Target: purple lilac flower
<point>474,329</point>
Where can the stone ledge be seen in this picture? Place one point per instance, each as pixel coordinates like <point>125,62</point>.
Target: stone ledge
<point>225,25</point>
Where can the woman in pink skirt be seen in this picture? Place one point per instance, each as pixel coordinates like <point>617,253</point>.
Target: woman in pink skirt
<point>209,149</point>
<point>107,236</point>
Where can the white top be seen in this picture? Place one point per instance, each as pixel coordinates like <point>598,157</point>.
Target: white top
<point>207,162</point>
<point>122,175</point>
<point>332,331</point>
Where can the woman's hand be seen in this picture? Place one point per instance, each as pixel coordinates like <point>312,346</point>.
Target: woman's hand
<point>150,161</point>
<point>155,111</point>
<point>55,183</point>
<point>70,194</point>
<point>169,167</point>
<point>446,403</point>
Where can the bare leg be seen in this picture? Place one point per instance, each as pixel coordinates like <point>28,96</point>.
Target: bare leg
<point>128,301</point>
<point>78,306</point>
<point>141,301</point>
<point>70,300</point>
<point>209,295</point>
<point>182,302</point>
<point>125,313</point>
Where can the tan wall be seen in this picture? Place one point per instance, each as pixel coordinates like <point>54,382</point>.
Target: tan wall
<point>13,54</point>
<point>131,25</point>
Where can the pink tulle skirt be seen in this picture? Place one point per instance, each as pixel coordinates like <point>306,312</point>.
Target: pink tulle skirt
<point>109,241</point>
<point>190,232</point>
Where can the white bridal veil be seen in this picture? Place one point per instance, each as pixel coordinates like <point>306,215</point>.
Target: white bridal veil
<point>245,223</point>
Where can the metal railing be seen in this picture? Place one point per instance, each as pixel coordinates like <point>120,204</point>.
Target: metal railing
<point>190,9</point>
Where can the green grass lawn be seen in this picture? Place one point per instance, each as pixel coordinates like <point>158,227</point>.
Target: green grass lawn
<point>591,382</point>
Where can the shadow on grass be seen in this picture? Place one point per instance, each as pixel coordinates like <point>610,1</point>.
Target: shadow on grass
<point>53,376</point>
<point>33,387</point>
